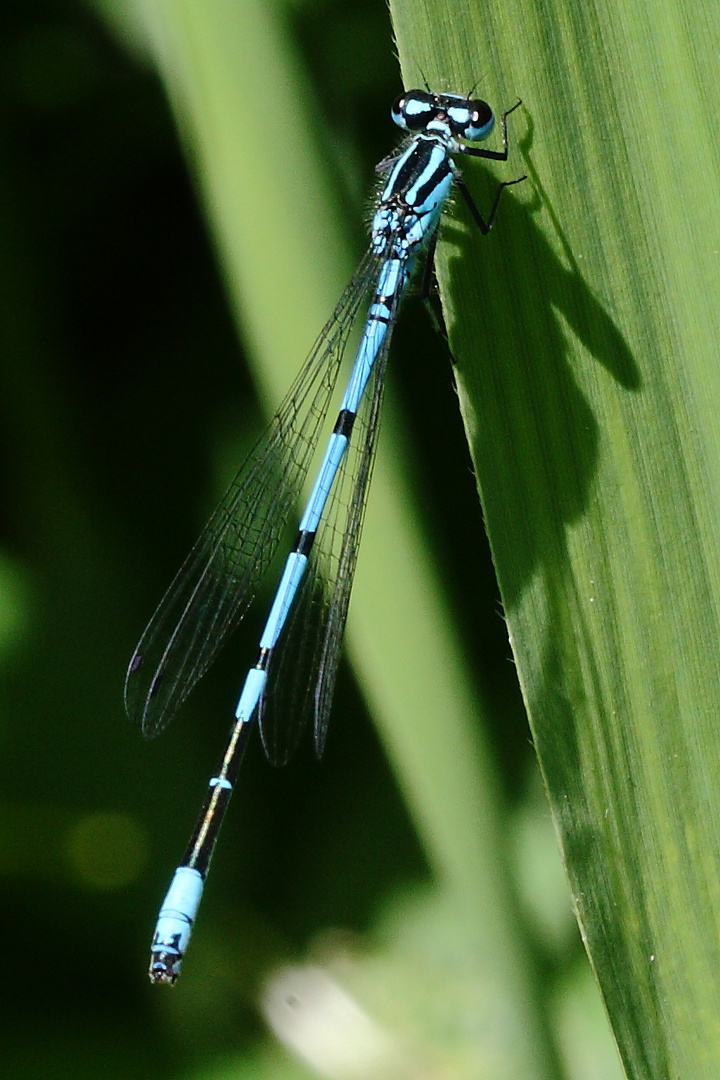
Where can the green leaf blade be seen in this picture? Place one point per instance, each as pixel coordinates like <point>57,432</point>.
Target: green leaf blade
<point>586,337</point>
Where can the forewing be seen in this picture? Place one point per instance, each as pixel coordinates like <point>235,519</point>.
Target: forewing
<point>216,583</point>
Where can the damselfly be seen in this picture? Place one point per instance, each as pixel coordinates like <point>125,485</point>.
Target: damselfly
<point>294,676</point>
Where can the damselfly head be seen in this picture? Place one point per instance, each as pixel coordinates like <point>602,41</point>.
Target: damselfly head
<point>465,118</point>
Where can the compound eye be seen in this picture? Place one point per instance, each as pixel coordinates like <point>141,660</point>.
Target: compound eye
<point>414,110</point>
<point>471,120</point>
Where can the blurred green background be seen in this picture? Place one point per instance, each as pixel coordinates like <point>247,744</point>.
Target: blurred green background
<point>124,399</point>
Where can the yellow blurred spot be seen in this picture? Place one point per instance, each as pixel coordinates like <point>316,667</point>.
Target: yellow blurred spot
<point>320,1022</point>
<point>106,850</point>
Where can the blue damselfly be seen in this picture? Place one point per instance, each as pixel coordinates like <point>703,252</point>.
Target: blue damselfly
<point>294,675</point>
